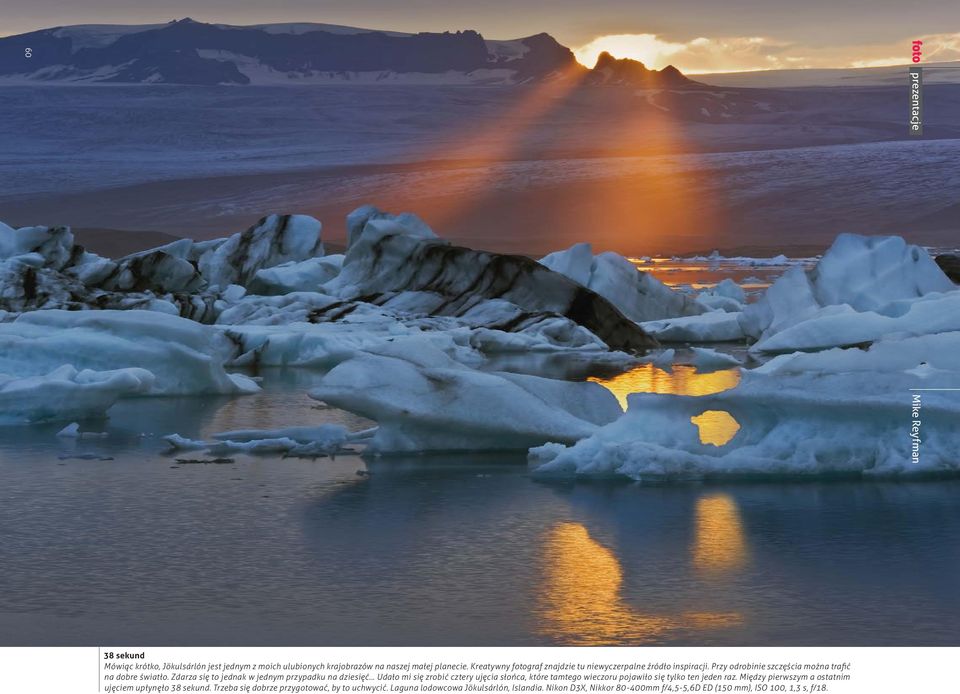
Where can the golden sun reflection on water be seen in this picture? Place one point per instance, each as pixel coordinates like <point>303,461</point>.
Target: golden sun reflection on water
<point>719,544</point>
<point>716,426</point>
<point>580,603</point>
<point>647,378</point>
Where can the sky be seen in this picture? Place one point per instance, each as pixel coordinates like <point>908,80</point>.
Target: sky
<point>695,35</point>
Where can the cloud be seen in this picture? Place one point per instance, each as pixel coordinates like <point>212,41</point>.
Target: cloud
<point>749,53</point>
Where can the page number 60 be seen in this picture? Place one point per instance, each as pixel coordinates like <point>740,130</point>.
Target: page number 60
<point>27,52</point>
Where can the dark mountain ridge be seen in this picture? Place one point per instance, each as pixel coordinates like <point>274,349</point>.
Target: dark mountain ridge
<point>194,53</point>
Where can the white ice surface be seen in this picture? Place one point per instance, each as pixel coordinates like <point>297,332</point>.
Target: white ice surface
<point>706,359</point>
<point>65,393</point>
<point>424,401</point>
<point>185,357</point>
<point>864,288</point>
<point>714,326</point>
<point>832,412</point>
<point>303,276</point>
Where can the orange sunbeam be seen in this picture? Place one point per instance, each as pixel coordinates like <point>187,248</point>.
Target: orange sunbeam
<point>471,169</point>
<point>662,203</point>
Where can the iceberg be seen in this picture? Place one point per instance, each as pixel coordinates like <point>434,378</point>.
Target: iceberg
<point>164,269</point>
<point>423,400</point>
<point>42,267</point>
<point>53,244</point>
<point>274,240</point>
<point>399,255</point>
<point>727,295</point>
<point>713,326</point>
<point>861,290</point>
<point>397,277</point>
<point>184,357</point>
<point>837,412</point>
<point>638,295</point>
<point>66,394</point>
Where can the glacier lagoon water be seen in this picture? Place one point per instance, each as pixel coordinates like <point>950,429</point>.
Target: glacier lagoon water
<point>110,541</point>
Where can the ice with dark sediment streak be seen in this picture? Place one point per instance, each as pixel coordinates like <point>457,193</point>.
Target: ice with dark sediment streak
<point>275,240</point>
<point>42,268</point>
<point>391,255</point>
<point>233,281</point>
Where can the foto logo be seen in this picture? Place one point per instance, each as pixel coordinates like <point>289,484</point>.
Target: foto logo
<point>917,51</point>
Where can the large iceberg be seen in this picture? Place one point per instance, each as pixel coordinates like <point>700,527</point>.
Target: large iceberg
<point>400,255</point>
<point>398,278</point>
<point>861,290</point>
<point>845,412</point>
<point>424,401</point>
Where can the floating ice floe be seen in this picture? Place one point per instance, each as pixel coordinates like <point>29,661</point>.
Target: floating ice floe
<point>181,443</point>
<point>65,393</point>
<point>639,295</point>
<point>864,288</point>
<point>726,295</point>
<point>303,442</point>
<point>424,401</point>
<point>716,257</point>
<point>72,431</point>
<point>714,326</point>
<point>184,357</point>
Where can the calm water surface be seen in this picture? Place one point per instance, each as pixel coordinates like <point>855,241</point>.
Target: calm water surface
<point>444,549</point>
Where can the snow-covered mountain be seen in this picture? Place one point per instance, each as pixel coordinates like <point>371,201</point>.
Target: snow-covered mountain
<point>190,52</point>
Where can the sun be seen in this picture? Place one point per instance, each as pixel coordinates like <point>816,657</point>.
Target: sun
<point>650,50</point>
